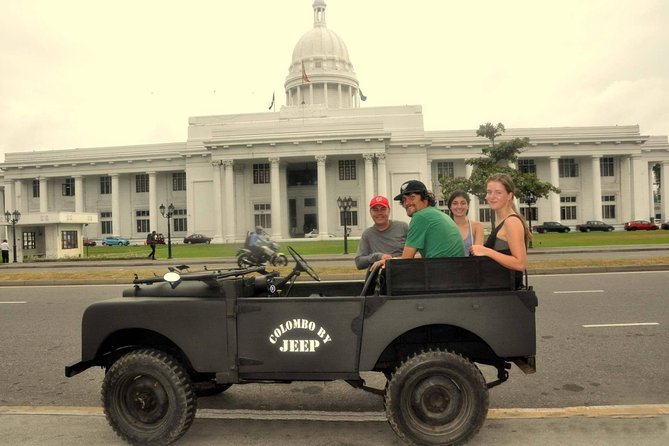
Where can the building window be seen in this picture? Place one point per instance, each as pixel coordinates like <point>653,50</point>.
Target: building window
<point>68,187</point>
<point>142,183</point>
<point>606,166</point>
<point>262,215</point>
<point>143,223</point>
<point>351,215</point>
<point>442,205</point>
<point>568,208</point>
<point>309,202</point>
<point>178,181</point>
<point>29,240</point>
<point>445,170</point>
<point>527,166</point>
<point>567,167</point>
<point>261,174</point>
<point>35,188</point>
<point>485,215</point>
<point>180,220</point>
<point>105,185</point>
<point>106,223</point>
<point>530,216</point>
<point>609,206</point>
<point>347,170</point>
<point>69,239</point>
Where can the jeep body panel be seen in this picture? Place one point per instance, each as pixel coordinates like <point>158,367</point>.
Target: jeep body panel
<point>197,326</point>
<point>489,316</point>
<point>298,338</point>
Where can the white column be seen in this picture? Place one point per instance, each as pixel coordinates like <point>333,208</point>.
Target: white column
<point>230,230</point>
<point>624,200</point>
<point>43,195</point>
<point>428,180</point>
<point>555,181</point>
<point>116,204</point>
<point>311,94</point>
<point>153,202</point>
<point>78,194</point>
<point>9,196</point>
<point>325,94</point>
<point>382,188</point>
<point>596,188</point>
<point>369,186</point>
<point>665,190</point>
<point>339,94</point>
<point>275,183</point>
<point>474,203</point>
<point>639,188</point>
<point>322,197</point>
<point>18,191</point>
<point>218,201</point>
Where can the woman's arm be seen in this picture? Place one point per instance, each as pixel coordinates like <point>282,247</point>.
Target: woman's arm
<point>514,232</point>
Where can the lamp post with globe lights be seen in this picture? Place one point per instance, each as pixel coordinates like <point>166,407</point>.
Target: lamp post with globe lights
<point>167,213</point>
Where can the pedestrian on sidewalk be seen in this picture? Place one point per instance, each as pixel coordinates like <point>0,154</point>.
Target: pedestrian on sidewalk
<point>5,251</point>
<point>151,241</point>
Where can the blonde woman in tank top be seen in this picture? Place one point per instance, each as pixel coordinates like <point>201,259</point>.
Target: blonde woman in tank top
<point>470,231</point>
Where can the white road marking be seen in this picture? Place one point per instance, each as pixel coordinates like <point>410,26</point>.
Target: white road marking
<point>14,302</point>
<point>578,291</point>
<point>630,324</point>
<point>639,410</point>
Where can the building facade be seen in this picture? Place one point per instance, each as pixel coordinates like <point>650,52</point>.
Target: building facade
<point>285,169</point>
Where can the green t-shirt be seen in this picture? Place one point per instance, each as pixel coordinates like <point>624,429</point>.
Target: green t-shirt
<point>434,234</point>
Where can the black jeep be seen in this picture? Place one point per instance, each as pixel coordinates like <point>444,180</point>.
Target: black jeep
<point>424,323</point>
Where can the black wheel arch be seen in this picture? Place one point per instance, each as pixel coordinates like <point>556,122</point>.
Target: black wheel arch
<point>437,337</point>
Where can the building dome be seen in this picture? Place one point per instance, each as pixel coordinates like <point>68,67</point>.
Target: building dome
<point>320,71</point>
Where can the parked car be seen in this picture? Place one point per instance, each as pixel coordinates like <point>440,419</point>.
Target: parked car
<point>89,242</point>
<point>197,238</point>
<point>115,241</point>
<point>640,225</point>
<point>551,226</point>
<point>665,225</point>
<point>594,225</point>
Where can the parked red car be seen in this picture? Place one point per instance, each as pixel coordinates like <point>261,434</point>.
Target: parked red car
<point>640,225</point>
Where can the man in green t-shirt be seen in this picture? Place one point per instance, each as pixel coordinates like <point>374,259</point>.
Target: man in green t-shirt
<point>432,233</point>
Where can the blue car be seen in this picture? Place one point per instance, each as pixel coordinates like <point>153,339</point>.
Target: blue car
<point>115,241</point>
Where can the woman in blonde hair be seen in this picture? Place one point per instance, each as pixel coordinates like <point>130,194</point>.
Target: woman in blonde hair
<point>507,243</point>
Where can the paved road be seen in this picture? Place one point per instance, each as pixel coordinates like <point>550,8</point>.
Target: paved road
<point>588,357</point>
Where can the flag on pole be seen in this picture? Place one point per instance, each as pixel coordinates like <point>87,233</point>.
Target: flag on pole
<point>362,96</point>
<point>272,104</point>
<point>305,78</point>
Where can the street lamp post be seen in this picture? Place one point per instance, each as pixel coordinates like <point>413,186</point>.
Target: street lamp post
<point>345,205</point>
<point>13,218</point>
<point>168,215</point>
<point>529,198</point>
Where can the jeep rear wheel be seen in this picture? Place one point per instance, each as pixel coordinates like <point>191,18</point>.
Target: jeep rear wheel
<point>148,398</point>
<point>436,398</point>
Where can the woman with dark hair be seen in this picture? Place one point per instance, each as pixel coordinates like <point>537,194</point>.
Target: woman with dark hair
<point>471,231</point>
<point>507,243</point>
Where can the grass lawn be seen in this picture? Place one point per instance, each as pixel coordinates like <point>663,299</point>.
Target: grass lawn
<point>309,247</point>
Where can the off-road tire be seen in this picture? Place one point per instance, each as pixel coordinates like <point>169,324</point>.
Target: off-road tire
<point>148,398</point>
<point>279,260</point>
<point>436,398</point>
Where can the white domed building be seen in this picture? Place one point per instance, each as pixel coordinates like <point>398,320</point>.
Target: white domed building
<point>285,170</point>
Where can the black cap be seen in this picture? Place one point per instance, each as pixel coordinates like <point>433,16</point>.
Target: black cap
<point>409,187</point>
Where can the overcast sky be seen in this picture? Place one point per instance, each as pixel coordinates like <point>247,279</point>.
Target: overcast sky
<point>93,74</point>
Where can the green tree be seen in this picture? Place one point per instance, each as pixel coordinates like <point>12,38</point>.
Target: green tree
<point>497,159</point>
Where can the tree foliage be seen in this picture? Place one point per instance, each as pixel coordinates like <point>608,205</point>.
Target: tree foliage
<point>497,159</point>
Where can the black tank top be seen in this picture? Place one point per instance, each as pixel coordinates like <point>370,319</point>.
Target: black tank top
<point>502,246</point>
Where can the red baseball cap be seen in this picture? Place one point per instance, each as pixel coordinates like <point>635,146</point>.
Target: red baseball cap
<point>379,200</point>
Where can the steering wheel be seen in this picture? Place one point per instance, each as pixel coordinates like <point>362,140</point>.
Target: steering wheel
<point>303,265</point>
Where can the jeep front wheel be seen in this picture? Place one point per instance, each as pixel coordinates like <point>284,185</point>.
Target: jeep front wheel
<point>148,398</point>
<point>436,398</point>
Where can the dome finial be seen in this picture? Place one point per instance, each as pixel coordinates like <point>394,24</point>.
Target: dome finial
<point>319,13</point>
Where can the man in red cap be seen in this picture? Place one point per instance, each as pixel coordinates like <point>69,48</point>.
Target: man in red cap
<point>383,240</point>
